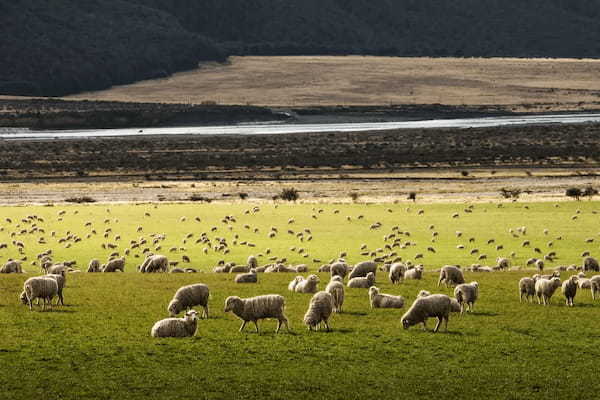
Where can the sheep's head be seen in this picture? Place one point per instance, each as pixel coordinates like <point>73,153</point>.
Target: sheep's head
<point>373,290</point>
<point>173,307</point>
<point>406,322</point>
<point>191,315</point>
<point>23,298</point>
<point>556,282</point>
<point>313,278</point>
<point>476,284</point>
<point>423,293</point>
<point>232,303</point>
<point>337,278</point>
<point>371,277</point>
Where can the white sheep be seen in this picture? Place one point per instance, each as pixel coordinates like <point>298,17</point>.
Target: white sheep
<point>414,273</point>
<point>189,296</point>
<point>339,269</point>
<point>527,289</point>
<point>362,282</point>
<point>252,262</point>
<point>466,294</point>
<point>590,264</point>
<point>595,285</point>
<point>381,300</point>
<point>154,263</point>
<point>319,310</point>
<point>435,305</point>
<point>397,271</point>
<point>115,265</point>
<point>335,287</point>
<point>250,277</point>
<point>362,269</point>
<point>545,288</point>
<point>61,281</point>
<point>569,289</point>
<point>39,287</point>
<point>292,285</point>
<point>11,267</point>
<point>176,327</point>
<point>451,275</point>
<point>257,308</point>
<point>308,285</point>
<point>94,266</point>
<point>502,263</point>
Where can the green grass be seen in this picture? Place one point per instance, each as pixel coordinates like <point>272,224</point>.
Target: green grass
<point>98,346</point>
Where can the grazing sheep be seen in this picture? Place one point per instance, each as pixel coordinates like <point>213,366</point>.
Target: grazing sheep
<point>339,269</point>
<point>61,281</point>
<point>56,269</point>
<point>451,275</point>
<point>590,264</point>
<point>414,273</point>
<point>257,308</point>
<point>319,310</point>
<point>308,285</point>
<point>569,289</point>
<point>362,269</point>
<point>292,285</point>
<point>380,300</point>
<point>176,327</point>
<point>466,294</point>
<point>94,266</point>
<point>11,267</point>
<point>335,287</point>
<point>39,287</point>
<point>397,271</point>
<point>115,265</point>
<point>435,305</point>
<point>545,288</point>
<point>362,282</point>
<point>154,263</point>
<point>189,296</point>
<point>595,285</point>
<point>527,289</point>
<point>250,277</point>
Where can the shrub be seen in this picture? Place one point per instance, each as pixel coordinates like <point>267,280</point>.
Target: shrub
<point>412,196</point>
<point>574,192</point>
<point>82,199</point>
<point>199,197</point>
<point>464,173</point>
<point>354,196</point>
<point>510,193</point>
<point>589,192</point>
<point>289,194</point>
<point>243,196</point>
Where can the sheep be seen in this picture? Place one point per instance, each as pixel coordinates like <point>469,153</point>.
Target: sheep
<point>503,263</point>
<point>319,310</point>
<point>176,327</point>
<point>590,264</point>
<point>362,269</point>
<point>569,289</point>
<point>414,273</point>
<point>154,263</point>
<point>362,282</point>
<point>257,308</point>
<point>451,275</point>
<point>595,285</point>
<point>435,305</point>
<point>250,277</point>
<point>335,287</point>
<point>527,289</point>
<point>94,266</point>
<point>545,288</point>
<point>380,300</point>
<point>339,269</point>
<point>11,267</point>
<point>324,268</point>
<point>308,285</point>
<point>39,287</point>
<point>239,269</point>
<point>115,265</point>
<point>292,285</point>
<point>189,296</point>
<point>466,294</point>
<point>252,262</point>
<point>539,264</point>
<point>61,281</point>
<point>397,271</point>
<point>56,269</point>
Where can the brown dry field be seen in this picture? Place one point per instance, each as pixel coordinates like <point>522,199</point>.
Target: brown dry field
<point>516,84</point>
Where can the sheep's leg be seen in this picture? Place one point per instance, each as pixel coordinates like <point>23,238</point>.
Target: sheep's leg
<point>44,304</point>
<point>278,326</point>
<point>437,326</point>
<point>327,325</point>
<point>206,311</point>
<point>539,299</point>
<point>521,297</point>
<point>425,326</point>
<point>287,326</point>
<point>256,326</point>
<point>243,326</point>
<point>446,326</point>
<point>30,304</point>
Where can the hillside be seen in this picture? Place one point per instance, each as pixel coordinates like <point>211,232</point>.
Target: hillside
<point>68,46</point>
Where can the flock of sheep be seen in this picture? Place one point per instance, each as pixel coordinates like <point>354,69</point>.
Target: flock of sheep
<point>323,304</point>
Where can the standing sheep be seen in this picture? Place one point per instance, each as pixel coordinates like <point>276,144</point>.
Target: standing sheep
<point>176,327</point>
<point>466,294</point>
<point>339,269</point>
<point>335,287</point>
<point>189,296</point>
<point>569,289</point>
<point>590,264</point>
<point>154,263</point>
<point>380,300</point>
<point>61,281</point>
<point>397,271</point>
<point>595,285</point>
<point>362,282</point>
<point>435,305</point>
<point>451,275</point>
<point>94,266</point>
<point>39,287</point>
<point>502,263</point>
<point>319,310</point>
<point>257,308</point>
<point>362,269</point>
<point>115,265</point>
<point>250,277</point>
<point>414,273</point>
<point>527,289</point>
<point>308,285</point>
<point>545,288</point>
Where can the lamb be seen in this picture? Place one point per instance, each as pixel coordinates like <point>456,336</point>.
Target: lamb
<point>414,273</point>
<point>527,289</point>
<point>39,287</point>
<point>250,277</point>
<point>451,276</point>
<point>292,285</point>
<point>319,310</point>
<point>257,308</point>
<point>466,294</point>
<point>94,266</point>
<point>545,288</point>
<point>118,264</point>
<point>362,269</point>
<point>397,271</point>
<point>189,296</point>
<point>380,300</point>
<point>435,305</point>
<point>590,264</point>
<point>308,285</point>
<point>339,269</point>
<point>362,282</point>
<point>154,263</point>
<point>176,327</point>
<point>335,287</point>
<point>12,267</point>
<point>569,289</point>
<point>61,281</point>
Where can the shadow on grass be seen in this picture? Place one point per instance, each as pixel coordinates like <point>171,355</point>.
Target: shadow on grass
<point>483,313</point>
<point>357,313</point>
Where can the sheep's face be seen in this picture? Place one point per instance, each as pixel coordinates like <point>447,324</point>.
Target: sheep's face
<point>231,302</point>
<point>313,278</point>
<point>23,298</point>
<point>191,315</point>
<point>173,308</point>
<point>406,323</point>
<point>373,291</point>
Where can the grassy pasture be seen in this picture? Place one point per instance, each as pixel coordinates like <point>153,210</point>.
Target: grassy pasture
<point>98,346</point>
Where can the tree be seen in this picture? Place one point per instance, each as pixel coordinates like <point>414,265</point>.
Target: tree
<point>510,193</point>
<point>574,192</point>
<point>589,192</point>
<point>412,196</point>
<point>289,194</point>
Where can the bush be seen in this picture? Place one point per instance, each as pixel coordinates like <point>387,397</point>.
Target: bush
<point>354,196</point>
<point>574,192</point>
<point>589,192</point>
<point>412,196</point>
<point>82,199</point>
<point>510,193</point>
<point>199,197</point>
<point>464,173</point>
<point>243,196</point>
<point>289,194</point>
